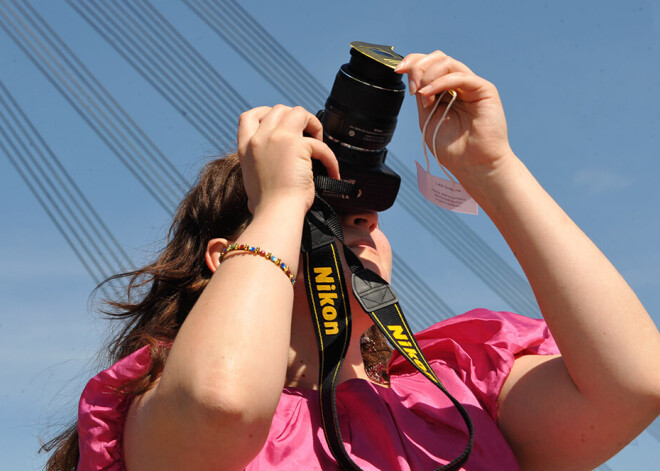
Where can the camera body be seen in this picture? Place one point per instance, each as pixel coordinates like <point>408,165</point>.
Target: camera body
<point>359,119</point>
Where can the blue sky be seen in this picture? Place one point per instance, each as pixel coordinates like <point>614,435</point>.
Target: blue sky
<point>579,86</point>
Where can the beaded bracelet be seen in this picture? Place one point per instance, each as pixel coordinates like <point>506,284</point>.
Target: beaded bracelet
<point>262,253</point>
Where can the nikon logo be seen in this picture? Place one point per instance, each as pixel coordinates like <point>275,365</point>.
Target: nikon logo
<point>403,341</point>
<point>326,292</point>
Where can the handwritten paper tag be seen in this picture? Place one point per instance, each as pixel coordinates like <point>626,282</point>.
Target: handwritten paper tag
<point>444,193</point>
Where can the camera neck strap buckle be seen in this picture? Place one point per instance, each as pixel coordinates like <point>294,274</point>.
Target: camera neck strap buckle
<point>341,187</point>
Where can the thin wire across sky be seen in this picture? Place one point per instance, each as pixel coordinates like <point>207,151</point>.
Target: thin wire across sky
<point>139,33</point>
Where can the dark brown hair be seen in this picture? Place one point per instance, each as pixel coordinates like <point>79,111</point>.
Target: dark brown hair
<point>166,290</point>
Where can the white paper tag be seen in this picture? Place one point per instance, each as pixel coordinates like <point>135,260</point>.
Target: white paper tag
<point>444,193</point>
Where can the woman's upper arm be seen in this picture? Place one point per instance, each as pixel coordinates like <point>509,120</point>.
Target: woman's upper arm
<point>551,425</point>
<point>160,434</point>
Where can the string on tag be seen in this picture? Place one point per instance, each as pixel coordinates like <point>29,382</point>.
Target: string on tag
<point>437,128</point>
<point>448,194</point>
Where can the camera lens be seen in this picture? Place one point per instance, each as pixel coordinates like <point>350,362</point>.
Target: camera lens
<point>361,112</point>
<point>358,122</point>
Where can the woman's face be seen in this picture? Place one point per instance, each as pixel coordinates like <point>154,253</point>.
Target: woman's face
<point>364,237</point>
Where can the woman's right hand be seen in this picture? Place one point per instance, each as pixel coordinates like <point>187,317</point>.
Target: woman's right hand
<point>225,371</point>
<point>276,156</point>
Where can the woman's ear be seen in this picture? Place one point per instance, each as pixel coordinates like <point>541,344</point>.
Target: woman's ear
<point>213,250</point>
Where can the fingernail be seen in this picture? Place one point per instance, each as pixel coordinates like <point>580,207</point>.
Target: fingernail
<point>426,101</point>
<point>413,87</point>
<point>400,65</point>
<point>424,89</point>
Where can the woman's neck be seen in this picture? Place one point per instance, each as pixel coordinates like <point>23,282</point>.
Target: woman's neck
<point>303,369</point>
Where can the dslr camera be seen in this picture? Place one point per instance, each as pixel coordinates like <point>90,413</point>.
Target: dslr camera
<point>359,119</point>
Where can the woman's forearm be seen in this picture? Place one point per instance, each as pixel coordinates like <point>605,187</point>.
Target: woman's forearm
<point>233,347</point>
<point>609,343</point>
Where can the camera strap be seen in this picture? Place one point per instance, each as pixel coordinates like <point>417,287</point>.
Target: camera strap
<point>330,307</point>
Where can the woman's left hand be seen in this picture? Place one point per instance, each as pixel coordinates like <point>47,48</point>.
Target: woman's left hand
<point>601,392</point>
<point>473,137</point>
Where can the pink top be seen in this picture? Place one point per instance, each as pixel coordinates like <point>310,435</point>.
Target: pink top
<point>409,426</point>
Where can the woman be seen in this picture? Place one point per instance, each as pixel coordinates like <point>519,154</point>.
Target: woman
<point>208,392</point>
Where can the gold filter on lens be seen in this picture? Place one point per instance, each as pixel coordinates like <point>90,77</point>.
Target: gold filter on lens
<point>378,52</point>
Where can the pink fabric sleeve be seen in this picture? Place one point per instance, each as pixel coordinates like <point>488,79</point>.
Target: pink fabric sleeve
<point>102,412</point>
<point>480,347</point>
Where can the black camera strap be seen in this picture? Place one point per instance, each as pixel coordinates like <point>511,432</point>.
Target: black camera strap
<point>330,306</point>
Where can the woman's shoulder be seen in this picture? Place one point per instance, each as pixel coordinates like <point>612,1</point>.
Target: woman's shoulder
<point>483,328</point>
<point>479,347</point>
<point>102,411</point>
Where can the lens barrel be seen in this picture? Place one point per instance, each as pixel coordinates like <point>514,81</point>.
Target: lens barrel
<point>361,111</point>
<point>359,119</point>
